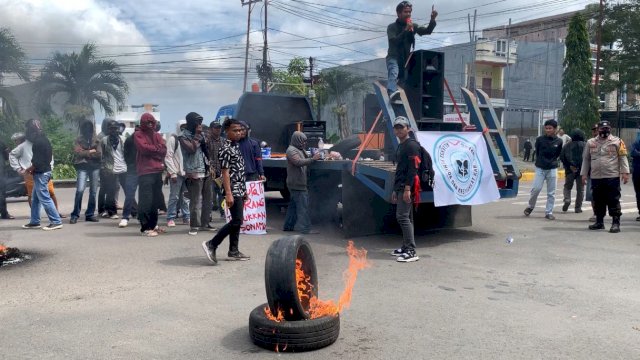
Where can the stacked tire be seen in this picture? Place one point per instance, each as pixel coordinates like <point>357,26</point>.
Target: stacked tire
<point>297,332</point>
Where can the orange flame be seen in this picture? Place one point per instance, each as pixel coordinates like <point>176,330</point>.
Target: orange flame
<point>3,248</point>
<point>269,315</point>
<point>319,308</point>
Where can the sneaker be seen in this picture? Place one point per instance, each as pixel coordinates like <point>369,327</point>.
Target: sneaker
<point>193,231</point>
<point>123,223</point>
<point>31,226</point>
<point>638,218</point>
<point>527,211</point>
<point>114,217</point>
<point>398,252</point>
<point>209,228</point>
<point>171,223</point>
<point>578,210</point>
<point>52,227</point>
<point>549,217</point>
<point>186,221</point>
<point>211,253</point>
<point>149,233</point>
<point>409,256</point>
<point>596,226</point>
<point>238,256</point>
<point>105,215</point>
<point>565,207</point>
<point>92,219</point>
<point>73,220</point>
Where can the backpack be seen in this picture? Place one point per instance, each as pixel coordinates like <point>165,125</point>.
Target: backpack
<point>425,170</point>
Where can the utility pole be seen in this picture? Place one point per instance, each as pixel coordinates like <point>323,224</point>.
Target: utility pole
<point>264,70</point>
<point>596,87</point>
<point>472,39</point>
<point>246,52</point>
<point>506,85</point>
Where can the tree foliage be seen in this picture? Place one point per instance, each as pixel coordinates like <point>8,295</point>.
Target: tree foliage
<point>290,81</point>
<point>85,79</point>
<point>621,58</point>
<point>13,60</point>
<point>334,85</point>
<point>580,106</point>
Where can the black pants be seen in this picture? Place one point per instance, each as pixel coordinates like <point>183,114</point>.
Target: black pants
<point>111,186</point>
<point>3,199</point>
<point>527,153</point>
<point>606,194</point>
<point>149,196</point>
<point>636,184</point>
<point>232,228</point>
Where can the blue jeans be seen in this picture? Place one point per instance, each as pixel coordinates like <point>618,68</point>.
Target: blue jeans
<point>41,197</point>
<point>298,212</point>
<point>176,191</point>
<point>130,187</point>
<point>81,184</point>
<point>393,71</point>
<point>551,177</point>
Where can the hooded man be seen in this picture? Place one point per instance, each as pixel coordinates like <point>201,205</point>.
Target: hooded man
<point>401,35</point>
<point>297,162</point>
<point>571,157</point>
<point>605,160</point>
<point>196,169</point>
<point>114,167</point>
<point>41,170</point>
<point>214,144</point>
<point>151,151</point>
<point>102,193</point>
<point>252,155</point>
<point>87,157</point>
<point>175,172</point>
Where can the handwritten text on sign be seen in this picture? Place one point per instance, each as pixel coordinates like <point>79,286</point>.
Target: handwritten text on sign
<point>255,212</point>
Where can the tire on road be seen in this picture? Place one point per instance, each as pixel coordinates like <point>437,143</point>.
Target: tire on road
<point>292,336</point>
<point>280,276</point>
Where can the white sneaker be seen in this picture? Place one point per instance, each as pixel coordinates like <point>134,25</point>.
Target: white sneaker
<point>123,223</point>
<point>171,223</point>
<point>114,217</point>
<point>193,231</point>
<point>104,215</point>
<point>149,233</point>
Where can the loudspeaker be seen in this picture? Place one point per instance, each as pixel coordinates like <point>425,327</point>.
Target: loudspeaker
<point>371,110</point>
<point>425,85</point>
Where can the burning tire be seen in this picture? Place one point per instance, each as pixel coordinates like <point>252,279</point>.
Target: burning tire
<point>292,336</point>
<point>280,277</point>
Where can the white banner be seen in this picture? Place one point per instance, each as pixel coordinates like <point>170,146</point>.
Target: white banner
<point>463,169</point>
<point>255,212</point>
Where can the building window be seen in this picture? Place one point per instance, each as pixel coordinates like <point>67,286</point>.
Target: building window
<point>501,48</point>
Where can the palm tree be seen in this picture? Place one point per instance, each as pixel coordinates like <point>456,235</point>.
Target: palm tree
<point>84,79</point>
<point>335,85</point>
<point>12,61</point>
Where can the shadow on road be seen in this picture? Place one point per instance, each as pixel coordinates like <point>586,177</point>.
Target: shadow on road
<point>186,261</point>
<point>238,340</point>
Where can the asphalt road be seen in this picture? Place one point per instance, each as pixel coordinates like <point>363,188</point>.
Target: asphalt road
<point>559,291</point>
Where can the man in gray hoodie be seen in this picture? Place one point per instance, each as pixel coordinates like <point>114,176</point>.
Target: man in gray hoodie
<point>297,161</point>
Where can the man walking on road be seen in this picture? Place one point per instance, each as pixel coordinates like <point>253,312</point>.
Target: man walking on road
<point>547,148</point>
<point>235,194</point>
<point>571,158</point>
<point>406,175</point>
<point>401,35</point>
<point>605,158</point>
<point>41,170</point>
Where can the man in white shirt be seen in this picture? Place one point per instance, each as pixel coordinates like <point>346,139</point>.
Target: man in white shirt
<point>114,168</point>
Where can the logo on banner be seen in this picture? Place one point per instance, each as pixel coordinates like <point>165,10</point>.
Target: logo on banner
<point>457,161</point>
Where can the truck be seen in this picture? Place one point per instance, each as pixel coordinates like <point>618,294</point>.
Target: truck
<point>355,191</point>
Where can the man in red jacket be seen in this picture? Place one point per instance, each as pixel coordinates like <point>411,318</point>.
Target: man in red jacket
<point>150,165</point>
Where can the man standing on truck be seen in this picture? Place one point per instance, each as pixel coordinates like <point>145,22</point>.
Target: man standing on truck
<point>406,174</point>
<point>297,162</point>
<point>547,148</point>
<point>401,35</point>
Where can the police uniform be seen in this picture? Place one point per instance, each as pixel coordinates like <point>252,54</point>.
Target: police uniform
<point>605,160</point>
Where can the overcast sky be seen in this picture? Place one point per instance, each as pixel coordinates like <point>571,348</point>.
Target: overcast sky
<point>189,55</point>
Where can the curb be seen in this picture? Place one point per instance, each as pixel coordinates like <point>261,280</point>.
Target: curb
<point>529,175</point>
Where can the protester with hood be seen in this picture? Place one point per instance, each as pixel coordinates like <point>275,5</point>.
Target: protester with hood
<point>196,168</point>
<point>87,158</point>
<point>571,157</point>
<point>114,167</point>
<point>635,154</point>
<point>4,156</point>
<point>151,151</point>
<point>547,148</point>
<point>175,172</point>
<point>605,159</point>
<point>235,194</point>
<point>252,154</point>
<point>214,144</point>
<point>102,193</point>
<point>20,160</point>
<point>130,207</point>
<point>41,170</point>
<point>297,162</point>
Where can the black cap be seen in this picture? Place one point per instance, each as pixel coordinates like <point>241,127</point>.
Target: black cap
<point>604,123</point>
<point>215,125</point>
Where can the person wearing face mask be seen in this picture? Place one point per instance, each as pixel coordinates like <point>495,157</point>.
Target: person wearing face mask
<point>114,167</point>
<point>605,159</point>
<point>87,157</point>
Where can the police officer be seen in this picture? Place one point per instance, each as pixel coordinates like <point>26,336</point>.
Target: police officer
<point>605,158</point>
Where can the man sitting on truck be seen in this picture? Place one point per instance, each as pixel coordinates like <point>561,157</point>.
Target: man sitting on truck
<point>297,161</point>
